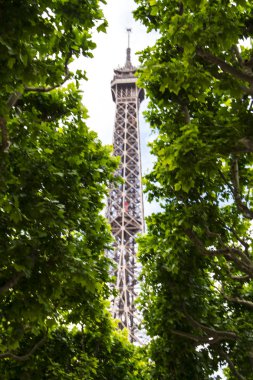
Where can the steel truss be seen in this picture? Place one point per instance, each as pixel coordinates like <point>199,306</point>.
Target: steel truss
<point>125,202</point>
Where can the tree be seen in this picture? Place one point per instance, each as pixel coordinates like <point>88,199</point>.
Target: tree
<point>197,255</point>
<point>54,175</point>
<point>95,351</point>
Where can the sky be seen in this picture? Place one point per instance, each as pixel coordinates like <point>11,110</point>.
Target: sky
<point>109,54</point>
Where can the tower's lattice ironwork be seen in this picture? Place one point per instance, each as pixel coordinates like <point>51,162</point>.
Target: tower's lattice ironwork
<point>125,202</point>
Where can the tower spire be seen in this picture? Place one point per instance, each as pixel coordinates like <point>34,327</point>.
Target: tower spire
<point>128,51</point>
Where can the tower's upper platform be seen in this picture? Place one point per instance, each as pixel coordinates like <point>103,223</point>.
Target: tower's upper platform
<point>126,73</point>
<point>125,76</point>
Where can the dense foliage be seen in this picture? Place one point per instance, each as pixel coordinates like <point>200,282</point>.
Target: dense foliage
<point>197,255</point>
<point>94,351</point>
<point>54,174</point>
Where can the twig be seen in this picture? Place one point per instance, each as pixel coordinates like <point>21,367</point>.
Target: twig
<point>26,356</point>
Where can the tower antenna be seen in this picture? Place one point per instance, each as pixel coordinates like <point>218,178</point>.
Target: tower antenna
<point>129,30</point>
<point>128,50</point>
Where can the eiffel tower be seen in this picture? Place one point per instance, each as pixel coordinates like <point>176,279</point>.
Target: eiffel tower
<point>125,202</point>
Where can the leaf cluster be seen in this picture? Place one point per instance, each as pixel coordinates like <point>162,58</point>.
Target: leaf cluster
<point>197,254</point>
<point>54,176</point>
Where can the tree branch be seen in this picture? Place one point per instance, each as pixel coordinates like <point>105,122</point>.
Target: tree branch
<point>12,282</point>
<point>212,234</point>
<point>26,356</point>
<point>186,114</point>
<point>237,54</point>
<point>232,254</point>
<point>214,335</point>
<point>4,147</point>
<point>235,175</point>
<point>197,242</point>
<point>195,338</point>
<point>13,98</point>
<point>200,340</point>
<point>231,365</point>
<point>15,279</point>
<point>48,89</point>
<point>236,256</point>
<point>226,67</point>
<point>181,8</point>
<point>245,143</point>
<point>242,241</point>
<point>220,76</point>
<point>236,190</point>
<point>241,278</point>
<point>240,301</point>
<point>247,213</point>
<point>210,335</point>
